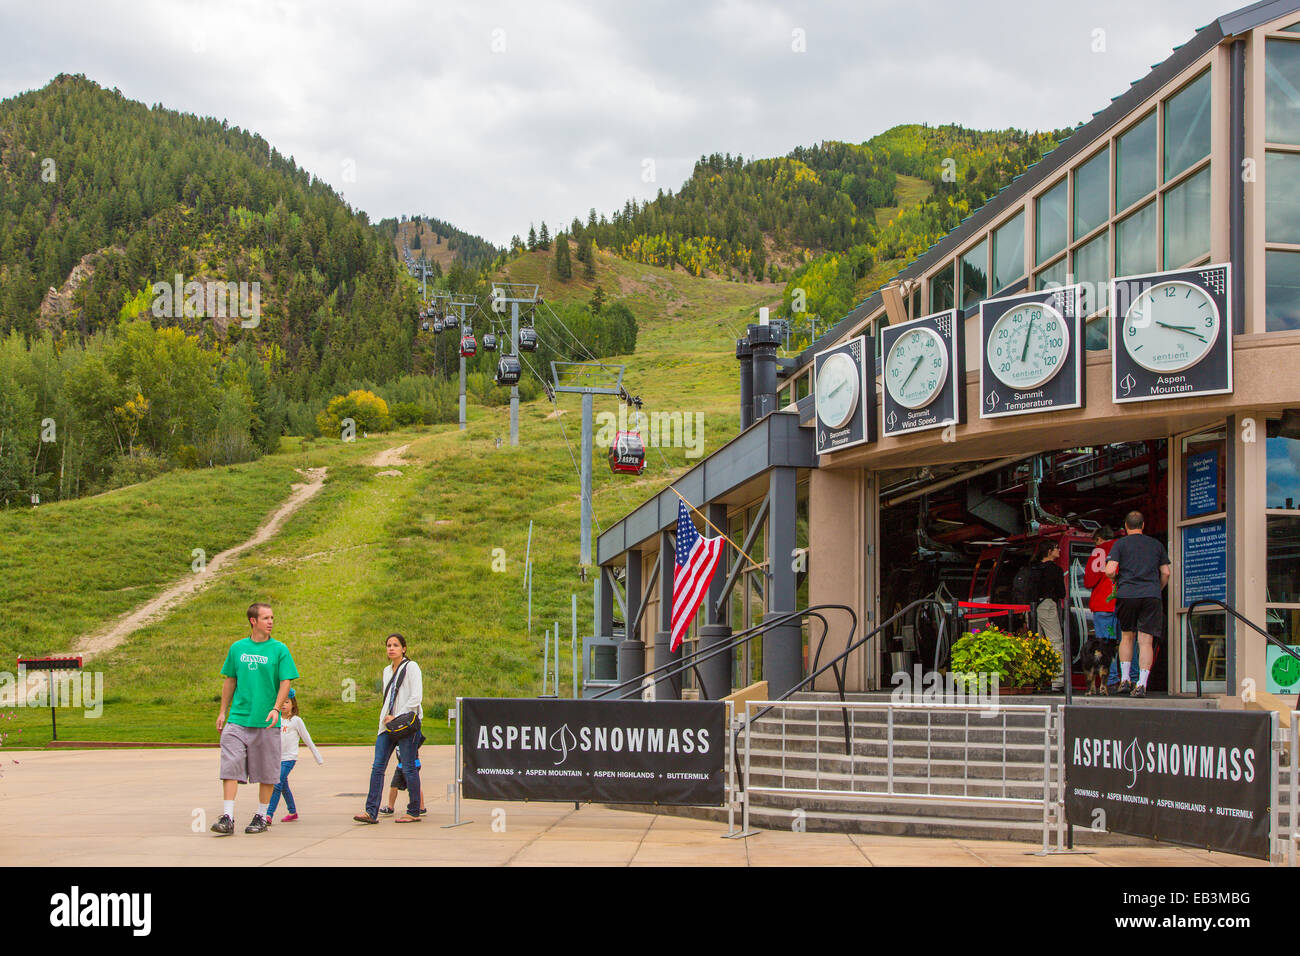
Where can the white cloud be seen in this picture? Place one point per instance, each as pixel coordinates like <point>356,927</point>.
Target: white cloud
<point>562,118</point>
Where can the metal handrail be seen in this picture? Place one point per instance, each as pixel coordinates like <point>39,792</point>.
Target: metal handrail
<point>832,665</point>
<point>692,661</point>
<point>1191,625</point>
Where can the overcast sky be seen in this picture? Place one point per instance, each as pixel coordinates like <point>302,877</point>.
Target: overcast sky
<point>494,115</point>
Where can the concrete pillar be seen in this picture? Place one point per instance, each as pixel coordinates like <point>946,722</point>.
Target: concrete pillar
<point>716,672</point>
<point>631,652</point>
<point>782,646</point>
<point>666,688</point>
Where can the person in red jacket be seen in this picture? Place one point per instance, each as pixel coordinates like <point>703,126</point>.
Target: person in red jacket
<point>1102,602</point>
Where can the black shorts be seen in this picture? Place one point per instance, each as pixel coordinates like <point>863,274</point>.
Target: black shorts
<point>1145,615</point>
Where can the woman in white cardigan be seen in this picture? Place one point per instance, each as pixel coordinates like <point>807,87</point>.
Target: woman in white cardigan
<point>403,693</point>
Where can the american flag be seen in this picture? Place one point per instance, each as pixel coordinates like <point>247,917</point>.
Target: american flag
<point>697,559</point>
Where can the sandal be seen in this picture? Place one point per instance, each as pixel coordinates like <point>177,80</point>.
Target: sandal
<point>365,818</point>
<point>407,818</point>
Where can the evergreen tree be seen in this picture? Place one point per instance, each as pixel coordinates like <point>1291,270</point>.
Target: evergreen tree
<point>532,238</point>
<point>597,300</point>
<point>544,238</point>
<point>563,267</point>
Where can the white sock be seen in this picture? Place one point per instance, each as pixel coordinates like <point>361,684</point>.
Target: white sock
<point>1123,669</point>
<point>261,809</point>
<point>228,808</point>
<point>1142,678</point>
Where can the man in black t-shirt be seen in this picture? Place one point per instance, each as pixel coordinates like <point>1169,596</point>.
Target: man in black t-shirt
<point>1139,566</point>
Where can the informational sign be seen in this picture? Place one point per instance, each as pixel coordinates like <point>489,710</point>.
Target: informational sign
<point>670,752</point>
<point>1171,334</point>
<point>923,368</point>
<point>1283,669</point>
<point>1202,480</point>
<point>1205,562</point>
<point>844,395</point>
<point>1191,777</point>
<point>1032,355</point>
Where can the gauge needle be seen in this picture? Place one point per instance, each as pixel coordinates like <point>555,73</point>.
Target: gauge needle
<point>1182,328</point>
<point>1024,353</point>
<point>919,359</point>
<point>836,389</point>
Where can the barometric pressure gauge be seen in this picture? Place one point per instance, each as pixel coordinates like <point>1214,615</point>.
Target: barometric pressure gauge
<point>837,390</point>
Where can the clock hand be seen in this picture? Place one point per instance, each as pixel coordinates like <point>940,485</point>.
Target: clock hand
<point>1190,330</point>
<point>919,359</point>
<point>836,389</point>
<point>1024,353</point>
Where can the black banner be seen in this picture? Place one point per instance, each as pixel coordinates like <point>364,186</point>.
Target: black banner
<point>1197,778</point>
<point>668,752</point>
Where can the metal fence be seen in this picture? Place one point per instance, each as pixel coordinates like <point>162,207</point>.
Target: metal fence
<point>902,773</point>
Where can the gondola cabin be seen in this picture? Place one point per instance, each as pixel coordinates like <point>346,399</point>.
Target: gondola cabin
<point>627,454</point>
<point>489,342</point>
<point>528,339</point>
<point>468,346</point>
<point>451,322</point>
<point>437,326</point>
<point>508,370</point>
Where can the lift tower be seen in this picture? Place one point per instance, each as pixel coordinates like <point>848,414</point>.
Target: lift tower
<point>463,301</point>
<point>513,293</point>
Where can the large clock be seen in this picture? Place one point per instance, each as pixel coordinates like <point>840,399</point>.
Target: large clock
<point>1027,345</point>
<point>916,368</point>
<point>838,390</point>
<point>1170,327</point>
<point>1171,334</point>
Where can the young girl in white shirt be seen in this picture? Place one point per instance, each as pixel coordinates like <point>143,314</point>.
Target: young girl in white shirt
<point>292,730</point>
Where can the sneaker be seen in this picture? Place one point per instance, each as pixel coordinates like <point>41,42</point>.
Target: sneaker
<point>225,826</point>
<point>258,825</point>
<point>1124,687</point>
<point>1139,690</point>
<point>288,819</point>
<point>386,811</point>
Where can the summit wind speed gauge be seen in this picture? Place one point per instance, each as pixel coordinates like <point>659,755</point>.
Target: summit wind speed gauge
<point>924,374</point>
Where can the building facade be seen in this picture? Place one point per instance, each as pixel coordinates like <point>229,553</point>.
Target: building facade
<point>1170,221</point>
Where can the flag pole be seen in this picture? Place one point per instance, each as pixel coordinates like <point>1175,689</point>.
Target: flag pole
<point>715,528</point>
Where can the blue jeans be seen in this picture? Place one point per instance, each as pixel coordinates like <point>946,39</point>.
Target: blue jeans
<point>282,788</point>
<point>1105,623</point>
<point>406,748</point>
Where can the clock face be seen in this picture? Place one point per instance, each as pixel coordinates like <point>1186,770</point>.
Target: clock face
<point>1286,670</point>
<point>1170,327</point>
<point>916,368</point>
<point>838,387</point>
<point>1027,346</point>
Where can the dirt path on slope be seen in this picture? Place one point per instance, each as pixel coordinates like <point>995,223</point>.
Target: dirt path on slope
<point>104,640</point>
<point>390,457</point>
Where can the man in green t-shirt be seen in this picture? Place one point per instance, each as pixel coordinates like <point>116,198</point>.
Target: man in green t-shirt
<point>257,673</point>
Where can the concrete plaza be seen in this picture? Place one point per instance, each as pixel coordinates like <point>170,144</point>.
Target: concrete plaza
<point>152,807</point>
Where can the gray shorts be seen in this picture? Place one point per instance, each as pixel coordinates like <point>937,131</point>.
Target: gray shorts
<point>250,753</point>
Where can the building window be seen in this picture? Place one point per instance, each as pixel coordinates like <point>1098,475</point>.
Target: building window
<point>975,275</point>
<point>1092,268</point>
<point>1187,126</point>
<point>1053,277</point>
<point>1009,253</point>
<point>1283,559</point>
<point>1092,194</point>
<point>1283,473</point>
<point>1051,215</point>
<point>1135,243</point>
<point>1282,197</point>
<point>941,297</point>
<point>1135,163</point>
<point>1281,291</point>
<point>1187,220</point>
<point>1282,92</point>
